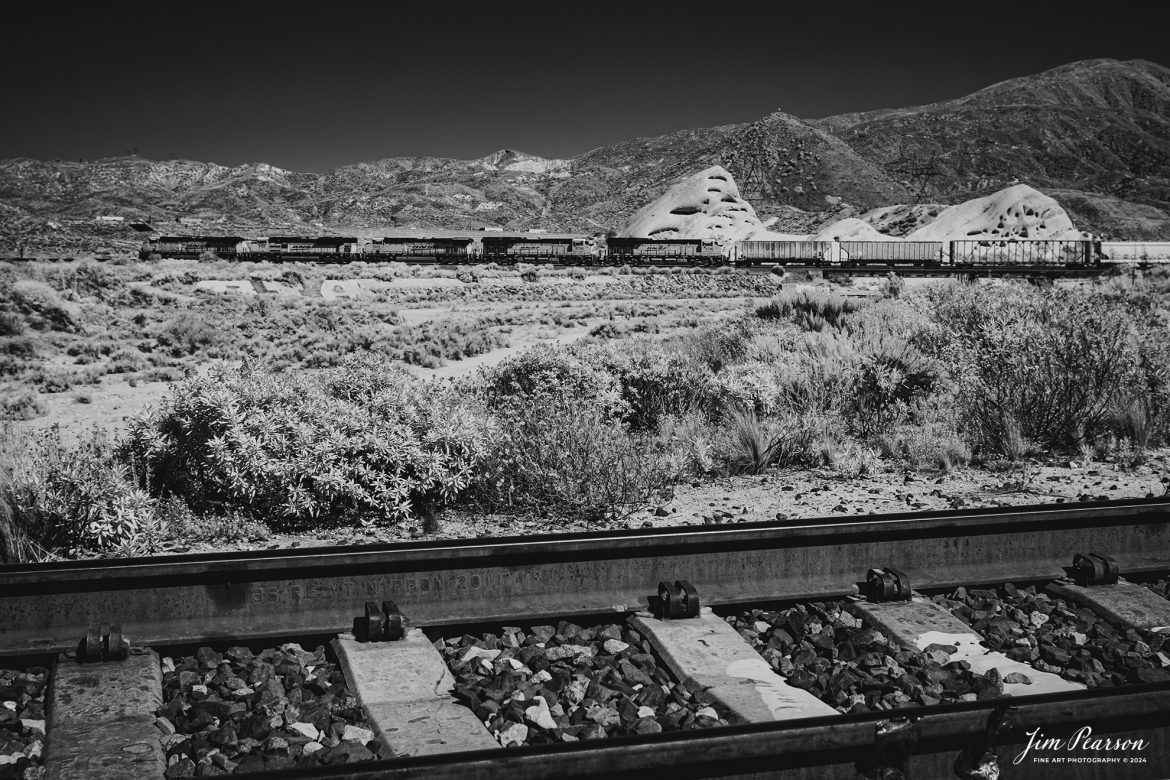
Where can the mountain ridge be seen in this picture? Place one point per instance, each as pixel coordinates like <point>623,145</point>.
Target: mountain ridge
<point>1096,129</point>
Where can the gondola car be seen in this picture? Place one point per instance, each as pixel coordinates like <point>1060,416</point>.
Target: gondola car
<point>648,251</point>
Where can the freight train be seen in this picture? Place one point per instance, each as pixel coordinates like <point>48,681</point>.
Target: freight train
<point>572,250</point>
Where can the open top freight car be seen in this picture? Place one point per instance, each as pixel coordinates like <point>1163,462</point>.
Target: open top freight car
<point>542,249</point>
<point>647,251</point>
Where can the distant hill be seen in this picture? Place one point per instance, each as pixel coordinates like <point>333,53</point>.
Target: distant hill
<point>1094,134</point>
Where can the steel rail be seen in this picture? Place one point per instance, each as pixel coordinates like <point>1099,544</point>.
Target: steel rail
<point>253,595</point>
<point>847,746</point>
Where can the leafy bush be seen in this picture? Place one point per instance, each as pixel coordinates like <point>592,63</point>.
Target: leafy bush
<point>545,371</point>
<point>80,498</point>
<point>360,442</point>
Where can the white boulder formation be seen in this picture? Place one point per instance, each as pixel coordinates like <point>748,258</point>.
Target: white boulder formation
<point>850,229</point>
<point>705,205</point>
<point>1016,212</point>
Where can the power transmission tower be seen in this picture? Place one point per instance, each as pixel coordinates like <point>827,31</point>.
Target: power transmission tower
<point>918,171</point>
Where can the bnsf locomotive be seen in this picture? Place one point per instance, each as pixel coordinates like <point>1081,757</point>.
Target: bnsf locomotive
<point>574,250</point>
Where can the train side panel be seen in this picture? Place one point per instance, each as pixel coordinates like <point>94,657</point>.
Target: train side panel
<point>1030,252</point>
<point>806,252</point>
<point>892,252</point>
<point>1135,251</point>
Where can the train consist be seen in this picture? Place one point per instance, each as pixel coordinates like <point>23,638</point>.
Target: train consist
<point>573,250</point>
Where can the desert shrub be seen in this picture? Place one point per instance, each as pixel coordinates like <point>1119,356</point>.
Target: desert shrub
<point>11,324</point>
<point>893,285</point>
<point>127,361</point>
<point>1036,367</point>
<point>927,445</point>
<point>653,381</point>
<point>890,376</point>
<point>545,371</point>
<point>43,308</point>
<point>21,403</point>
<point>1141,410</point>
<point>187,333</point>
<point>55,379</point>
<point>362,442</point>
<point>555,453</point>
<point>691,440</point>
<point>849,457</point>
<point>85,279</point>
<point>716,346</point>
<point>810,309</point>
<point>18,346</point>
<point>752,442</point>
<point>753,385</point>
<point>78,498</point>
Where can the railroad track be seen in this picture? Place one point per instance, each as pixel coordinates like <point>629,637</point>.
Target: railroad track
<point>662,584</point>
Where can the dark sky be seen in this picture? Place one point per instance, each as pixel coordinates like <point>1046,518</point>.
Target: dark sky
<point>313,87</point>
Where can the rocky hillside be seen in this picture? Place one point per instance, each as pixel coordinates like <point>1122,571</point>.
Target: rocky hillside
<point>1099,129</point>
<point>1094,134</point>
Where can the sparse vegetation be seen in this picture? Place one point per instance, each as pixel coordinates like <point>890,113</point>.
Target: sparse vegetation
<point>307,421</point>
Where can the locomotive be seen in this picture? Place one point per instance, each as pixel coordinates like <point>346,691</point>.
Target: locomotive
<point>576,250</point>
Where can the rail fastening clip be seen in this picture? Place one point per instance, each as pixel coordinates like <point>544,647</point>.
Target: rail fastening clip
<point>677,601</point>
<point>886,584</point>
<point>1095,569</point>
<point>380,624</point>
<point>103,642</point>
